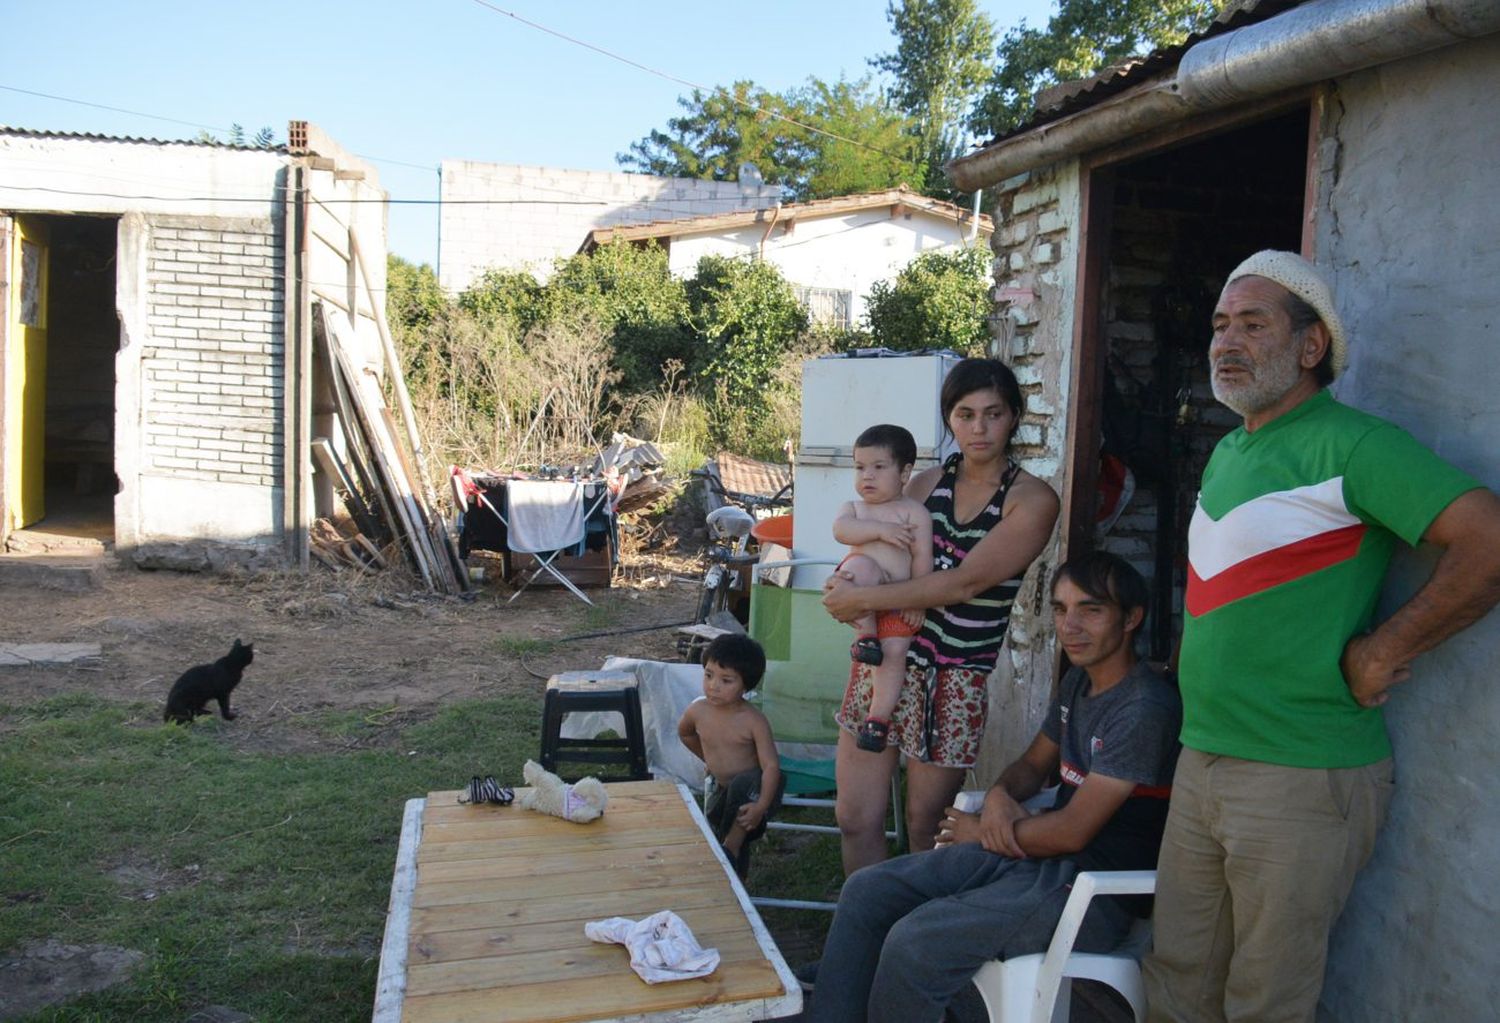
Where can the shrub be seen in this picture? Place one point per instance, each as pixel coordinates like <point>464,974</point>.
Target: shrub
<point>749,318</point>
<point>629,292</point>
<point>940,300</point>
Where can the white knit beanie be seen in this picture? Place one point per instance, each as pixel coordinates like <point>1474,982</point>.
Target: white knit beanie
<point>1307,282</point>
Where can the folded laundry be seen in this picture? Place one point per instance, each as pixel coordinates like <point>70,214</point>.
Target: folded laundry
<point>661,946</point>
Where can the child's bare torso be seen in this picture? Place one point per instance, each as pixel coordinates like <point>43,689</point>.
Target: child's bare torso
<point>894,560</point>
<point>728,739</point>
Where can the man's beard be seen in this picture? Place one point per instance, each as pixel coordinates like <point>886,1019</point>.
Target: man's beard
<point>1270,380</point>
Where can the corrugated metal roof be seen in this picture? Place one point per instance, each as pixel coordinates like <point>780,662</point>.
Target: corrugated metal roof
<point>37,133</point>
<point>1071,97</point>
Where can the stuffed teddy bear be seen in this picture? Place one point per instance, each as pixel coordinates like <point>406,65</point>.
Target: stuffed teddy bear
<point>580,802</point>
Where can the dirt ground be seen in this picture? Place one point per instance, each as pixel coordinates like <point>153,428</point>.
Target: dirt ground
<point>327,641</point>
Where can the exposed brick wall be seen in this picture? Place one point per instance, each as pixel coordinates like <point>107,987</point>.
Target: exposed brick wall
<point>213,368</point>
<point>1028,246</point>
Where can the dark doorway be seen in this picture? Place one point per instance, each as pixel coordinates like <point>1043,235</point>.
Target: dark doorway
<point>1178,221</point>
<point>83,338</point>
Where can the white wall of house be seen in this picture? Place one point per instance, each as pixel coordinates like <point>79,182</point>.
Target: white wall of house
<point>847,252</point>
<point>517,217</point>
<point>1408,224</point>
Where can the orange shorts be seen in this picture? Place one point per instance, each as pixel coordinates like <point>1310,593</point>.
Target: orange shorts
<point>890,625</point>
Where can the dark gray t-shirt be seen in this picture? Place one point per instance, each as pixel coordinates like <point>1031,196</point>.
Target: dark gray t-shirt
<point>1128,732</point>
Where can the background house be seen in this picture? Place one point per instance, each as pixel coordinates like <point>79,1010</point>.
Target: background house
<point>1360,132</point>
<point>158,368</point>
<point>515,217</point>
<point>831,250</point>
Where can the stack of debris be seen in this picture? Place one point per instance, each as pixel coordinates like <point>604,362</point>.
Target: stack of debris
<point>380,482</point>
<point>641,463</point>
<point>338,548</point>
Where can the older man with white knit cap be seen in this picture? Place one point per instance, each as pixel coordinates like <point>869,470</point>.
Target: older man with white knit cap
<point>1286,774</point>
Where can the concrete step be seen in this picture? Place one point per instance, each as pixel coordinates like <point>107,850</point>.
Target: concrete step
<point>68,573</point>
<point>39,540</point>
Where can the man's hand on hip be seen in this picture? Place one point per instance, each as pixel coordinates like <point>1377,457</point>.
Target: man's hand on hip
<point>1368,675</point>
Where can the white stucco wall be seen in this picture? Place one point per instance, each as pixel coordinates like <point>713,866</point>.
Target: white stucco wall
<point>72,175</point>
<point>517,217</point>
<point>848,252</point>
<point>1410,227</point>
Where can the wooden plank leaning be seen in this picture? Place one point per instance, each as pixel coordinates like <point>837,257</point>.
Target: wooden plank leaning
<point>453,568</point>
<point>407,518</point>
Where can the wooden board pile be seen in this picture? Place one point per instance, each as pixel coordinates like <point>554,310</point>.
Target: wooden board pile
<point>379,481</point>
<point>338,550</point>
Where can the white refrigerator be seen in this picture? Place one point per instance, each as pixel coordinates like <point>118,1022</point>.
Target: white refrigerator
<point>841,397</point>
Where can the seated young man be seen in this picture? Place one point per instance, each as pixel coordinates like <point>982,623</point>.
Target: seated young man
<point>911,932</point>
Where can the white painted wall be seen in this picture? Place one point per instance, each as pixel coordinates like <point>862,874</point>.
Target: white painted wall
<point>1408,224</point>
<point>69,175</point>
<point>848,252</point>
<point>518,217</point>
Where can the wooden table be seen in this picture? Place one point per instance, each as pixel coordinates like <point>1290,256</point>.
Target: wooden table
<point>488,905</point>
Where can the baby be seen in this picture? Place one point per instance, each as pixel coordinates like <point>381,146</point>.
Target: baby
<point>733,739</point>
<point>890,540</point>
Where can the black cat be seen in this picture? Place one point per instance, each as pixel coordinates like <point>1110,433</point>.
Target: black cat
<point>190,693</point>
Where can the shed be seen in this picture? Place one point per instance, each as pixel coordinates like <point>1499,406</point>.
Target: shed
<point>1361,133</point>
<point>157,334</point>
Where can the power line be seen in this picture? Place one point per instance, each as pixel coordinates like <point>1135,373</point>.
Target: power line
<point>752,107</point>
<point>117,110</point>
<point>283,188</point>
<point>178,120</point>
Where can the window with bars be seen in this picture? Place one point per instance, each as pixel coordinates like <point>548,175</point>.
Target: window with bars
<point>830,306</point>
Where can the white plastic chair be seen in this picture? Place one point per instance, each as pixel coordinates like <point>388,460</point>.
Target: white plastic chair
<point>1030,988</point>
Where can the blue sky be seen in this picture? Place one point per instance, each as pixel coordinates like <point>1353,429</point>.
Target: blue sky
<point>415,83</point>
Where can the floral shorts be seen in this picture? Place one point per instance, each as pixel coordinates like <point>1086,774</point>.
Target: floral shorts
<point>939,716</point>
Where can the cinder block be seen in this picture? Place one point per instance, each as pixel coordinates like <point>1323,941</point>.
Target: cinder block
<point>1050,221</point>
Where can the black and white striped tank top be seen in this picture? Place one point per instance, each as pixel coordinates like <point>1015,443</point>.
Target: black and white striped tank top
<point>965,635</point>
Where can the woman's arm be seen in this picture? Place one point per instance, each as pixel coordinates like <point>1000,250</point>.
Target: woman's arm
<point>921,545</point>
<point>1006,552</point>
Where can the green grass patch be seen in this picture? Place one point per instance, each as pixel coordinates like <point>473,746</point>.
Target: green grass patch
<point>255,880</point>
<point>517,646</point>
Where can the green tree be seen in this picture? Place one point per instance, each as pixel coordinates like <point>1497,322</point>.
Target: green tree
<point>939,300</point>
<point>1080,39</point>
<point>749,319</point>
<point>941,63</point>
<point>722,130</point>
<point>857,113</point>
<point>413,298</point>
<point>511,295</point>
<point>628,291</point>
<point>818,140</point>
<point>414,305</point>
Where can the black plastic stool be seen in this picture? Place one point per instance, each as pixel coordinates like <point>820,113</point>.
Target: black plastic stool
<point>574,692</point>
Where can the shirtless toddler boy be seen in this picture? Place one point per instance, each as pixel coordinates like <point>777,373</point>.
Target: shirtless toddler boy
<point>733,739</point>
<point>890,540</point>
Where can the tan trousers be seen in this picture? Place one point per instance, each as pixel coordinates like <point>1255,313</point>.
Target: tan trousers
<point>1255,867</point>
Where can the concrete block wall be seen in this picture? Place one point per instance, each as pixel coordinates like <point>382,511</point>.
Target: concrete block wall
<point>213,367</point>
<point>518,217</point>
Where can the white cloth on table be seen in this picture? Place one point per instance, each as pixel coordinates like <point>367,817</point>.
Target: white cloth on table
<point>544,515</point>
<point>661,946</point>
